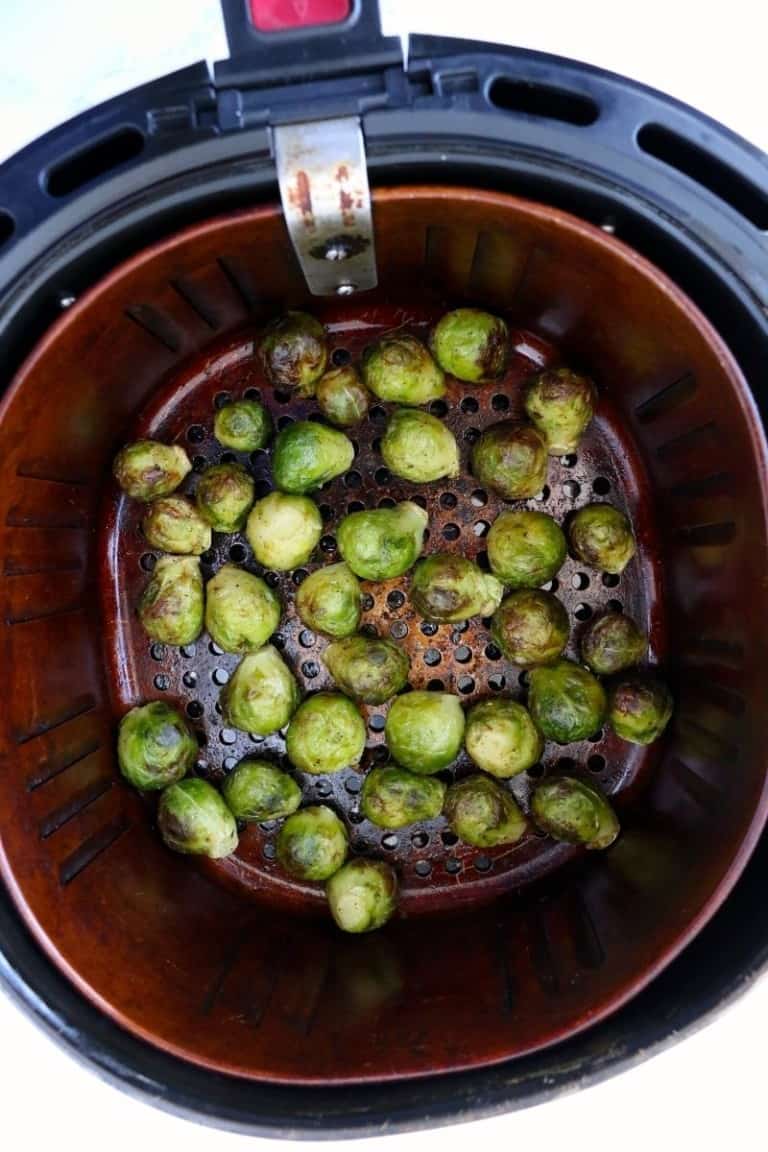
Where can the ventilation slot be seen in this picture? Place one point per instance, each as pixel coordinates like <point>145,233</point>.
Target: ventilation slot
<point>7,227</point>
<point>707,535</point>
<point>701,166</point>
<point>157,324</point>
<point>667,399</point>
<point>543,101</point>
<point>89,164</point>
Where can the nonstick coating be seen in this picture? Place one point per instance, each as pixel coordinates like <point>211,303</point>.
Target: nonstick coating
<point>436,871</point>
<point>238,981</point>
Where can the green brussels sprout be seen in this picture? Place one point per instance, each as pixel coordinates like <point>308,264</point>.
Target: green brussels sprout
<point>401,370</point>
<point>424,730</point>
<point>224,494</point>
<point>173,524</point>
<point>392,797</point>
<point>257,790</point>
<point>501,738</point>
<point>419,447</point>
<point>383,543</point>
<point>312,844</point>
<point>566,702</point>
<point>171,605</point>
<point>155,746</point>
<point>241,610</point>
<point>294,352</point>
<point>525,549</point>
<point>362,895</point>
<point>193,818</point>
<point>560,403</point>
<point>449,588</point>
<point>470,344</point>
<point>244,426</point>
<point>511,459</point>
<point>601,536</point>
<point>611,643</point>
<point>367,667</point>
<point>570,810</point>
<point>341,397</point>
<point>330,601</point>
<point>639,708</point>
<point>147,469</point>
<point>326,734</point>
<point>307,454</point>
<point>283,530</point>
<point>531,627</point>
<point>262,694</point>
<point>481,813</point>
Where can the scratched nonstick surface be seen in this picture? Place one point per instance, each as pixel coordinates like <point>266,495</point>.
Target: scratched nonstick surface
<point>436,872</point>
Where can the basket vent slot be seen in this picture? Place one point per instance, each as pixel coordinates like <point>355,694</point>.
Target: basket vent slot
<point>666,399</point>
<point>542,101</point>
<point>699,165</point>
<point>7,226</point>
<point>90,163</point>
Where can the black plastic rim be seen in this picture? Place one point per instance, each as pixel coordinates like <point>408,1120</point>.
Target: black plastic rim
<point>464,114</point>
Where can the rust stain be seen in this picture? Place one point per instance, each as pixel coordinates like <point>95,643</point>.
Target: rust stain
<point>347,205</point>
<point>300,196</point>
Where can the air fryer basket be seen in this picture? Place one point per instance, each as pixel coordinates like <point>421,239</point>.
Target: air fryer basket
<point>263,989</point>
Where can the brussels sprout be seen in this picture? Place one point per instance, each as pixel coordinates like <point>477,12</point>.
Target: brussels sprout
<point>283,530</point>
<point>257,790</point>
<point>449,588</point>
<point>341,397</point>
<point>611,643</point>
<point>155,746</point>
<point>326,734</point>
<point>560,403</point>
<point>362,895</point>
<point>575,812</point>
<point>293,351</point>
<point>147,469</point>
<point>173,524</point>
<point>639,708</point>
<point>470,344</point>
<point>602,537</point>
<point>401,370</point>
<point>392,797</point>
<point>481,813</point>
<point>224,495</point>
<point>244,426</point>
<point>312,844</point>
<point>501,738</point>
<point>566,702</point>
<point>367,667</point>
<point>530,627</point>
<point>171,605</point>
<point>384,543</point>
<point>307,454</point>
<point>419,447</point>
<point>525,549</point>
<point>511,459</point>
<point>424,730</point>
<point>262,694</point>
<point>193,818</point>
<point>241,610</point>
<point>330,600</point>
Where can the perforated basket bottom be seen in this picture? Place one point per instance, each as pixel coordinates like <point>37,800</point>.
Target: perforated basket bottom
<point>435,871</point>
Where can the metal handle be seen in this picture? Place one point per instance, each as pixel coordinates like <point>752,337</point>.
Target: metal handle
<point>323,182</point>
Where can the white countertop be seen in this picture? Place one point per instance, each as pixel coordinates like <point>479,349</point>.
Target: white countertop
<point>59,58</point>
